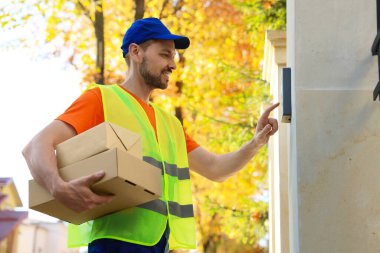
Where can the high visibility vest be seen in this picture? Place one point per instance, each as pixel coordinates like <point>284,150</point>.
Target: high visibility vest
<point>146,223</point>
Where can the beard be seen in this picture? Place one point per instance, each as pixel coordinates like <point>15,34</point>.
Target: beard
<point>151,79</point>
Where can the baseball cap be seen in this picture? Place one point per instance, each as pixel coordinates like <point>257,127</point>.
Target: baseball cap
<point>151,28</point>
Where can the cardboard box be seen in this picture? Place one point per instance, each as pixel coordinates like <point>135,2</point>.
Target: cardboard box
<point>98,139</point>
<point>130,179</point>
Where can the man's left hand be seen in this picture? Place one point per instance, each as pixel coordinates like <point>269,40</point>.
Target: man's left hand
<point>266,127</point>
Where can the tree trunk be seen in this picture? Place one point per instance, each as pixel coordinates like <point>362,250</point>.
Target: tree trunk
<point>179,85</point>
<point>139,10</point>
<point>99,33</point>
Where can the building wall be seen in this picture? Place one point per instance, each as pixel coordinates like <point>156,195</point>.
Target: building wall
<point>274,62</point>
<point>43,237</point>
<point>335,129</point>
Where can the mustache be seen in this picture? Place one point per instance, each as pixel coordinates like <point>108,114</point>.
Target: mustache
<point>167,70</point>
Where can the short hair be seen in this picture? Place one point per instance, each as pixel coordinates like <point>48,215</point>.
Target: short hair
<point>144,46</point>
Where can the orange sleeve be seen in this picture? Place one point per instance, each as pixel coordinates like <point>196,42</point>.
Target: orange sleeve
<point>190,143</point>
<point>85,112</point>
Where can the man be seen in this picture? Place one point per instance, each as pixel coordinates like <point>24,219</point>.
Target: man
<point>149,50</point>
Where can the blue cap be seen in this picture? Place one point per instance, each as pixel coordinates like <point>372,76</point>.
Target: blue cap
<point>151,28</point>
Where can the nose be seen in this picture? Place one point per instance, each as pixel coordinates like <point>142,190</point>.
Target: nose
<point>172,64</point>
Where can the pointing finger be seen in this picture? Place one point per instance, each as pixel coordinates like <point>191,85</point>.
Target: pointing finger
<point>269,110</point>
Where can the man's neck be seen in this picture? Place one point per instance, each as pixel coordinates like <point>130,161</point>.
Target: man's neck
<point>137,87</point>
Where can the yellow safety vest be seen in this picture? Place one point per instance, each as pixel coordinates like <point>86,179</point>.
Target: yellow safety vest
<point>146,223</point>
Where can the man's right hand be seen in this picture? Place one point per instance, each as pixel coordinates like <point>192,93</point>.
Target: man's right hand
<point>77,194</point>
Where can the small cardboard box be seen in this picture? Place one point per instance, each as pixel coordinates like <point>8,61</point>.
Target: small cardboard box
<point>98,139</point>
<point>131,180</point>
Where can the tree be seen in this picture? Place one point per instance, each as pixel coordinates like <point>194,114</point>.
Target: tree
<point>71,24</point>
<point>216,89</point>
<point>221,79</point>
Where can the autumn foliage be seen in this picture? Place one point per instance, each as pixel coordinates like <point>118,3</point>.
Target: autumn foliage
<point>216,90</point>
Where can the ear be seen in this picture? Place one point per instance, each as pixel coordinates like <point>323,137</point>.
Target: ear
<point>135,53</point>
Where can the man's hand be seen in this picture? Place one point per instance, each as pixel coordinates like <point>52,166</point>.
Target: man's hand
<point>40,156</point>
<point>77,195</point>
<point>266,127</point>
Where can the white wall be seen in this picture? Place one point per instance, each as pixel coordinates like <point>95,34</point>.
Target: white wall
<point>335,129</point>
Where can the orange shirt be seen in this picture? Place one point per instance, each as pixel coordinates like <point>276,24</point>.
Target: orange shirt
<point>87,112</point>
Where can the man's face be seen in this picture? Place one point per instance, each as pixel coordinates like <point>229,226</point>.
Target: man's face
<point>158,63</point>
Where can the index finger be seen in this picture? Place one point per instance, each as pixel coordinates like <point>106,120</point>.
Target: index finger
<point>269,110</point>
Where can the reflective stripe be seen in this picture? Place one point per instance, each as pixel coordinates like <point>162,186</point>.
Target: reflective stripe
<point>171,169</point>
<point>183,211</point>
<point>153,162</point>
<point>157,205</point>
<point>181,173</point>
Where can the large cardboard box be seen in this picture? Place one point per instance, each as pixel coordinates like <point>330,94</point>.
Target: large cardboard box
<point>131,180</point>
<point>114,150</point>
<point>98,139</point>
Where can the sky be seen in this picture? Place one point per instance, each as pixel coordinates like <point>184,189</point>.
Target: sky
<point>34,91</point>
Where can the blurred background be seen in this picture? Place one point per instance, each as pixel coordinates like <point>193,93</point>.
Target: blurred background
<point>51,50</point>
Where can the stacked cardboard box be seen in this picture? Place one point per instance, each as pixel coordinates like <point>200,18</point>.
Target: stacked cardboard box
<point>106,147</point>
